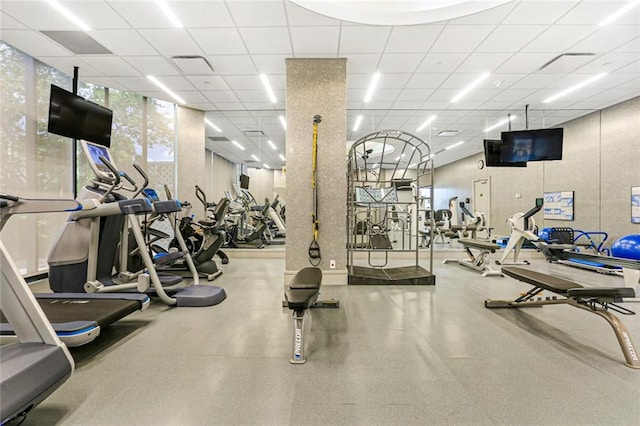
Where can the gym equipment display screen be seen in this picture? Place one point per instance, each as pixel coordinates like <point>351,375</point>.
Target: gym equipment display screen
<point>492,154</point>
<point>75,117</point>
<point>532,145</point>
<point>94,152</point>
<point>244,181</point>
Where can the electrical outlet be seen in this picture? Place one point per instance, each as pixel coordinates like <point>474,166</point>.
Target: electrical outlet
<point>332,264</point>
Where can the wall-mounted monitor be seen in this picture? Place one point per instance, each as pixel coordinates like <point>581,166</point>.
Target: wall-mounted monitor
<point>532,145</point>
<point>75,117</point>
<point>492,154</point>
<point>244,181</point>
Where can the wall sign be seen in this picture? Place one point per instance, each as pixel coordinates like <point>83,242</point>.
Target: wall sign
<point>635,204</point>
<point>558,205</point>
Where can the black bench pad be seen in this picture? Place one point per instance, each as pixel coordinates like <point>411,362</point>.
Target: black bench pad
<point>307,278</point>
<point>482,245</point>
<point>300,299</point>
<point>538,279</point>
<point>615,292</point>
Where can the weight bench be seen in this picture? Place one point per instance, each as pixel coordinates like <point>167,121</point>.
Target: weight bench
<point>599,300</point>
<point>301,295</point>
<point>479,261</point>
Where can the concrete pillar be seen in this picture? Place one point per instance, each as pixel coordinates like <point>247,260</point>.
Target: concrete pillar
<point>317,87</point>
<point>190,152</point>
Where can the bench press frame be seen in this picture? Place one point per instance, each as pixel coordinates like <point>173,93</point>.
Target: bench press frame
<point>599,301</point>
<point>479,262</point>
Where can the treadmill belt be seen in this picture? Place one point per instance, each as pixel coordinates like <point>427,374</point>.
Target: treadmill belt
<point>102,311</point>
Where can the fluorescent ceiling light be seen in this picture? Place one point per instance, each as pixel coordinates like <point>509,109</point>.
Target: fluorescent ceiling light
<point>500,123</point>
<point>374,166</point>
<point>255,157</point>
<point>470,87</point>
<point>67,14</point>
<point>283,121</point>
<point>574,88</point>
<point>282,157</point>
<point>357,125</point>
<point>238,145</point>
<point>426,123</point>
<point>267,87</point>
<point>618,13</point>
<point>372,87</point>
<point>271,144</point>
<point>266,166</point>
<point>213,126</point>
<point>454,145</point>
<point>169,13</point>
<point>411,166</point>
<point>166,89</point>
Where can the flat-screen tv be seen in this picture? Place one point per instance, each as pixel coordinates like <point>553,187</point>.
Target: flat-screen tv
<point>532,145</point>
<point>492,154</point>
<point>244,181</point>
<point>75,117</point>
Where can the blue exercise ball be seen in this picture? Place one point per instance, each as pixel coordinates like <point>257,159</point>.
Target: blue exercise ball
<point>627,247</point>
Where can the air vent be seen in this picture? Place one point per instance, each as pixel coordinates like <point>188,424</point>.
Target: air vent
<point>218,139</point>
<point>253,133</point>
<point>193,65</point>
<point>567,62</point>
<point>78,42</point>
<point>448,132</point>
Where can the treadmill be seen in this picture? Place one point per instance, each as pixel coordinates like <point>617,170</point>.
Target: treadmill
<point>76,318</point>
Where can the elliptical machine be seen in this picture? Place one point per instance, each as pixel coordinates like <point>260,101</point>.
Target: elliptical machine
<point>522,227</point>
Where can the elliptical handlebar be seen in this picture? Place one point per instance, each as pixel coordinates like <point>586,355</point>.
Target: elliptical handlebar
<point>116,179</point>
<point>142,173</point>
<point>200,195</point>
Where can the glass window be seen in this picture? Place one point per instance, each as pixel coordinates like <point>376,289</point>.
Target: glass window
<point>160,145</point>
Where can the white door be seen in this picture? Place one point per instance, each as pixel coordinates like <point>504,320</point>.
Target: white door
<point>481,201</point>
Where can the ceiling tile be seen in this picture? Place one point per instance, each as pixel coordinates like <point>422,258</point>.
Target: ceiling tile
<point>426,81</point>
<point>608,38</point>
<point>461,38</point>
<point>559,38</point>
<point>208,82</point>
<point>41,17</point>
<point>111,66</point>
<point>441,62</point>
<point>244,82</point>
<point>33,43</point>
<point>494,15</point>
<point>141,14</point>
<point>219,41</point>
<point>413,39</point>
<point>632,46</point>
<point>362,63</point>
<point>8,23</point>
<point>510,38</point>
<point>539,12</point>
<point>170,42</point>
<point>217,96</point>
<point>191,96</point>
<point>483,62</point>
<point>123,42</point>
<point>156,65</point>
<point>251,95</point>
<point>66,64</point>
<point>391,80</point>
<point>300,17</point>
<point>138,84</point>
<point>315,39</point>
<point>104,82</point>
<point>264,13</point>
<point>202,14</point>
<point>415,95</point>
<point>524,63</point>
<point>227,64</point>
<point>591,12</point>
<point>202,106</point>
<point>363,39</point>
<point>399,62</point>
<point>270,64</point>
<point>610,62</point>
<point>267,40</point>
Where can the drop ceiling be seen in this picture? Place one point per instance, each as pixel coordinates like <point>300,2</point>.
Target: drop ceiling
<point>422,66</point>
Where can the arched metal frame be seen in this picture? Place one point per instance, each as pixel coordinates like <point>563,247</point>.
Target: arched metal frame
<point>378,164</point>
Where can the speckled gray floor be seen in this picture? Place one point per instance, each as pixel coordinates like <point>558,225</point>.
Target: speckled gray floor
<point>388,356</point>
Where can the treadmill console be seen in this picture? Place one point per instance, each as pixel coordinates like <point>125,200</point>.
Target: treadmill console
<point>94,152</point>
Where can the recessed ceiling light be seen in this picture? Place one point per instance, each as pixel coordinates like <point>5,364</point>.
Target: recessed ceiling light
<point>426,123</point>
<point>282,157</point>
<point>455,145</point>
<point>372,87</point>
<point>266,166</point>
<point>470,87</point>
<point>169,14</point>
<point>166,89</point>
<point>271,144</point>
<point>213,126</point>
<point>238,145</point>
<point>500,123</point>
<point>618,13</point>
<point>356,126</point>
<point>448,132</point>
<point>67,14</point>
<point>255,157</point>
<point>575,87</point>
<point>267,87</point>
